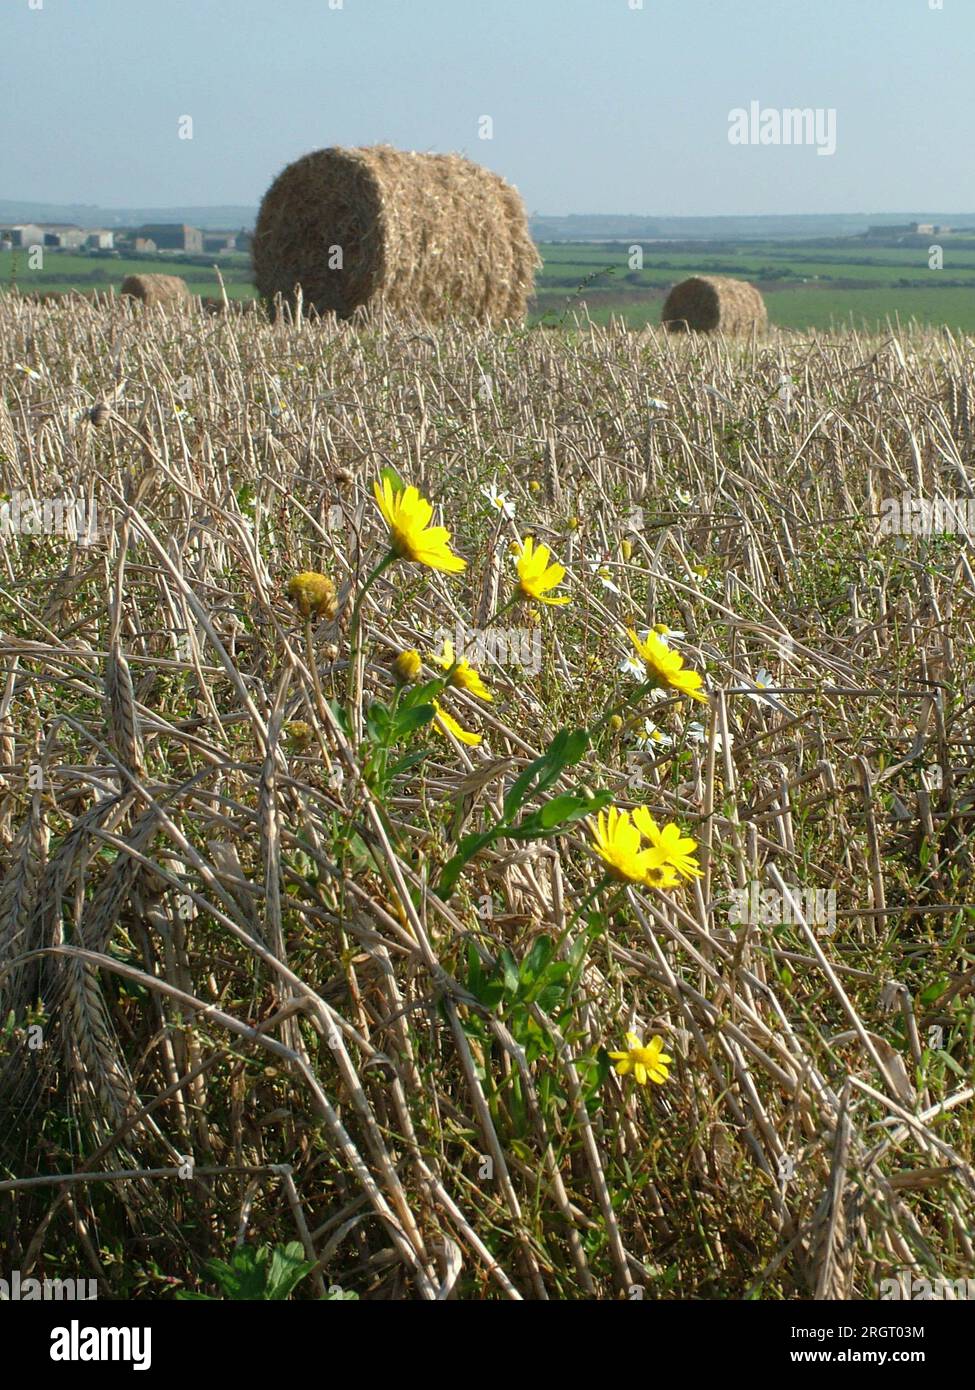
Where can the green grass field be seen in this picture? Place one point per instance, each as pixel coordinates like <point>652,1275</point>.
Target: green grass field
<point>820,284</point>
<point>64,270</point>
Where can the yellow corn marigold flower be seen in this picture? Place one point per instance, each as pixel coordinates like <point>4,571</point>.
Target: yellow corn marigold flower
<point>648,1063</point>
<point>463,676</point>
<point>619,845</point>
<point>669,849</point>
<point>536,576</point>
<point>408,516</point>
<point>408,666</point>
<point>667,666</point>
<point>313,594</point>
<point>448,723</point>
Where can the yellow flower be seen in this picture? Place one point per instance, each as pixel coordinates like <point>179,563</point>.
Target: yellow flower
<point>648,1063</point>
<point>667,666</point>
<point>408,666</point>
<point>313,594</point>
<point>411,536</point>
<point>463,676</point>
<point>448,723</point>
<point>535,575</point>
<point>618,844</point>
<point>670,850</point>
<point>663,877</point>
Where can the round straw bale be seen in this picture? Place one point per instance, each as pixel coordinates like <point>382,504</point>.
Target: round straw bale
<point>429,234</point>
<point>714,304</point>
<point>156,289</point>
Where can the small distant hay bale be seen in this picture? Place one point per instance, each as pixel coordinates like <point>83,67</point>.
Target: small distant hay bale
<point>428,234</point>
<point>156,289</point>
<point>714,304</point>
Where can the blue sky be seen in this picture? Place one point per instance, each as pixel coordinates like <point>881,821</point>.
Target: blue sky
<point>596,106</point>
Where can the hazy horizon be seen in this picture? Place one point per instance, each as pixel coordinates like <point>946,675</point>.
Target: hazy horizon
<point>597,108</point>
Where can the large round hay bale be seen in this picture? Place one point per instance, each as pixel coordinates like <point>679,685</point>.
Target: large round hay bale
<point>428,234</point>
<point>156,289</point>
<point>714,304</point>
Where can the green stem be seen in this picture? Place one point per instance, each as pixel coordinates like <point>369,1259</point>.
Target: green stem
<point>384,564</point>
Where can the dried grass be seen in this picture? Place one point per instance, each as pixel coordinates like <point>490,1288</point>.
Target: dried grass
<point>273,999</point>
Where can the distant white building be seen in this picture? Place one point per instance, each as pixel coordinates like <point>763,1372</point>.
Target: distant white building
<point>100,240</point>
<point>64,236</point>
<point>23,234</point>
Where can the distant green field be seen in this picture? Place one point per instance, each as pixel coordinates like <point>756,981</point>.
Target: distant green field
<point>63,270</point>
<point>819,284</point>
<point>813,284</point>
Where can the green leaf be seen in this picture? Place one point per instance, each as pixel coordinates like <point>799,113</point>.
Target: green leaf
<point>509,971</point>
<point>422,694</point>
<point>537,959</point>
<point>408,720</point>
<point>288,1267</point>
<point>389,474</point>
<point>341,716</point>
<point>466,850</point>
<point>405,763</point>
<point>560,811</point>
<point>566,748</point>
<point>378,722</point>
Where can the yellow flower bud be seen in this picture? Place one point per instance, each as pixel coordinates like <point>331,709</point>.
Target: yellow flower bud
<point>534,486</point>
<point>313,594</point>
<point>408,666</point>
<point>299,733</point>
<point>615,723</point>
<point>626,550</point>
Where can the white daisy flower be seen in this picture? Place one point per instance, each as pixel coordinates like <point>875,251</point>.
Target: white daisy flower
<point>668,634</point>
<point>602,573</point>
<point>695,732</point>
<point>498,500</point>
<point>762,680</point>
<point>28,372</point>
<point>652,737</point>
<point>655,404</point>
<point>633,666</point>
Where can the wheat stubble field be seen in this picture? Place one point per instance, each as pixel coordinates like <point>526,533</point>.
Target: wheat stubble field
<point>312,958</point>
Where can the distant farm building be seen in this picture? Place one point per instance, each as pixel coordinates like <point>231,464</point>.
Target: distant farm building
<point>64,236</point>
<point>100,240</point>
<point>23,234</point>
<point>219,241</point>
<point>143,245</point>
<point>174,236</point>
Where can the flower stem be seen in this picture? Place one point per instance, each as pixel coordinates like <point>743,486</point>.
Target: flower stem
<point>352,682</point>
